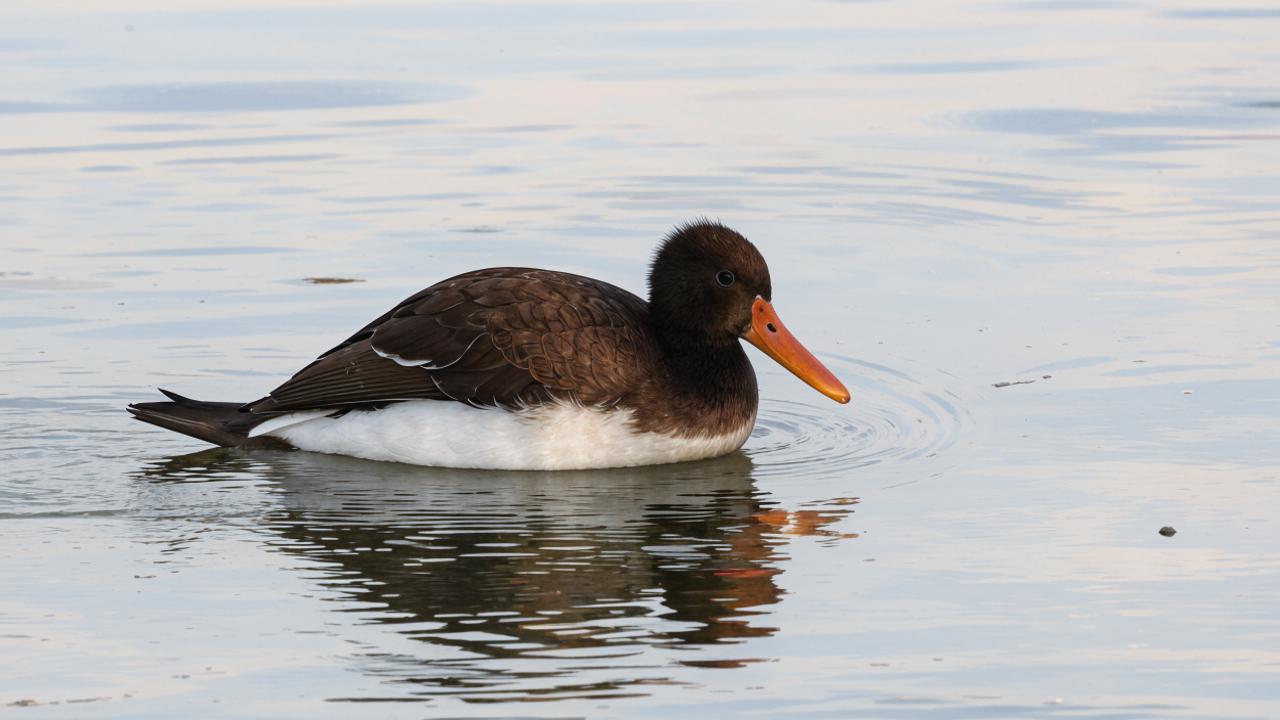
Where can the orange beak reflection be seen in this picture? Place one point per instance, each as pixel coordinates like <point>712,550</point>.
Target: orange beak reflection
<point>772,337</point>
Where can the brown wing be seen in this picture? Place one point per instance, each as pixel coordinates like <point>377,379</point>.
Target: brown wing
<point>504,336</point>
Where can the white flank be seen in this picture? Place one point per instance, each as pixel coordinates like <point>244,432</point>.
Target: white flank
<point>277,423</point>
<point>548,437</point>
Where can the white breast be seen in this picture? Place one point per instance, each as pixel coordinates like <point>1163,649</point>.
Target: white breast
<point>447,434</point>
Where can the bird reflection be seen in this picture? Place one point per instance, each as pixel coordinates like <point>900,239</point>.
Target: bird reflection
<point>528,585</point>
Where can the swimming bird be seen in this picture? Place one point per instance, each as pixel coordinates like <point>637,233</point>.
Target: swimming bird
<point>526,369</point>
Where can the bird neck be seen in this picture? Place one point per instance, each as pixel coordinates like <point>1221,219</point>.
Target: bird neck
<point>712,375</point>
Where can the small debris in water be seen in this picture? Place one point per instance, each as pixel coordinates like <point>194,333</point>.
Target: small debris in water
<point>1168,531</point>
<point>330,280</point>
<point>1009,384</point>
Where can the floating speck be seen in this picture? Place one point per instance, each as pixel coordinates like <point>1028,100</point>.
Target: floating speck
<point>330,280</point>
<point>1011,383</point>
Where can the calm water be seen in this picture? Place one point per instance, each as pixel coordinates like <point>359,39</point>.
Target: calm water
<point>1039,240</point>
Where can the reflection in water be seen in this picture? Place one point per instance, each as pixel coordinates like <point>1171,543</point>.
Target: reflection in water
<point>531,585</point>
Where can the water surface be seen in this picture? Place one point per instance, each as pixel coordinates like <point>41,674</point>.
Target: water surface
<point>1038,240</point>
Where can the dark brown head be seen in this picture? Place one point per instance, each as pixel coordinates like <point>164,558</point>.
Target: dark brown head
<point>703,280</point>
<point>709,287</point>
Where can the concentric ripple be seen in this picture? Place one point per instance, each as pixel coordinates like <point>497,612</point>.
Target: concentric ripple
<point>892,416</point>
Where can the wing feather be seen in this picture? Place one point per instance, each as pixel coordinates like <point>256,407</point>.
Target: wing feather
<point>503,336</point>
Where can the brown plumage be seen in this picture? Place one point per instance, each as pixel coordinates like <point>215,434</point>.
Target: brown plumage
<point>503,336</point>
<point>513,338</point>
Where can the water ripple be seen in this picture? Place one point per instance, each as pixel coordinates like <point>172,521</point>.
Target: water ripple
<point>892,417</point>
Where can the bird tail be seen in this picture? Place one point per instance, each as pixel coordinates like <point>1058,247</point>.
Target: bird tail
<point>220,423</point>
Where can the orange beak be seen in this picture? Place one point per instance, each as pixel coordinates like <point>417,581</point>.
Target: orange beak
<point>772,337</point>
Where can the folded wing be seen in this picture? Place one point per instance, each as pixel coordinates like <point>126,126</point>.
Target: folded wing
<point>505,336</point>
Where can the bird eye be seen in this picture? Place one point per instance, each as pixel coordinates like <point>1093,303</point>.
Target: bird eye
<point>724,278</point>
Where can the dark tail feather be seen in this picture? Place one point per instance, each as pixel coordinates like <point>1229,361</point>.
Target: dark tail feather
<point>221,423</point>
